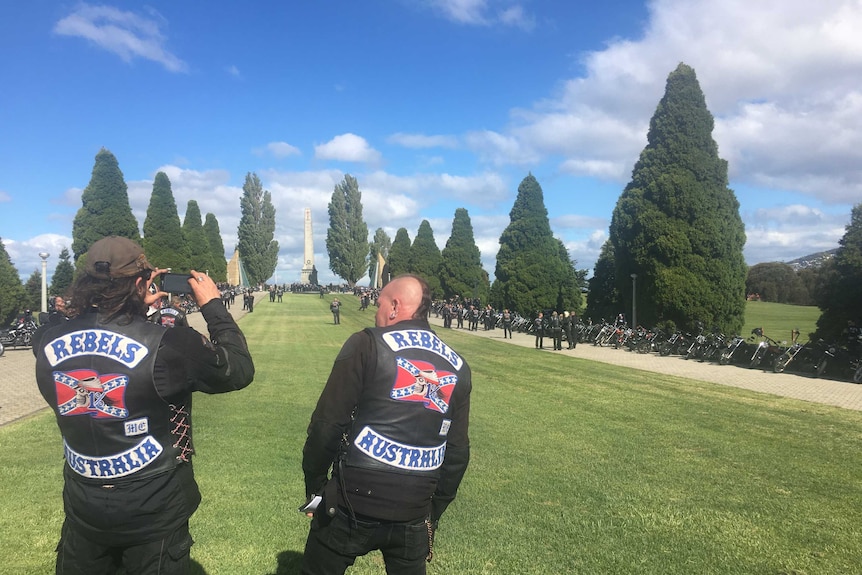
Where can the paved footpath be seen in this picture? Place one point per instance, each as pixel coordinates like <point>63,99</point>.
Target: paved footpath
<point>19,396</point>
<point>829,392</point>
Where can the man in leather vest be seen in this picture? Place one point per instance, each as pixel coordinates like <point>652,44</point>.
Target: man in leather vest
<point>392,425</point>
<point>121,389</point>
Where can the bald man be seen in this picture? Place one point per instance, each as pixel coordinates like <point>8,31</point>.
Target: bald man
<point>387,445</point>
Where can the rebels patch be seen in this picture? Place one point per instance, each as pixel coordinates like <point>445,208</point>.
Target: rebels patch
<point>86,392</point>
<point>385,450</point>
<point>420,381</point>
<point>96,342</point>
<point>422,339</point>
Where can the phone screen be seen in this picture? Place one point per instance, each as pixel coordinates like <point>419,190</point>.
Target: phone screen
<point>176,283</point>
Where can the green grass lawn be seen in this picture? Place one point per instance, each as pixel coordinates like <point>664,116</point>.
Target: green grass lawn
<point>779,320</point>
<point>577,467</point>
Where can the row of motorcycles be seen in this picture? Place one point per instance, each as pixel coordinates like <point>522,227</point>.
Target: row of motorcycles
<point>816,358</point>
<point>18,335</point>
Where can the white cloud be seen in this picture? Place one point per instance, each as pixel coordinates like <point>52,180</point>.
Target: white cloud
<point>281,150</point>
<point>484,13</point>
<point>780,78</point>
<point>4,197</point>
<point>233,71</point>
<point>423,141</point>
<point>25,254</point>
<point>126,34</point>
<point>347,148</point>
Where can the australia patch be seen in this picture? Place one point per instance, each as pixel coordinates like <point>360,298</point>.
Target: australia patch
<point>86,392</point>
<point>420,381</point>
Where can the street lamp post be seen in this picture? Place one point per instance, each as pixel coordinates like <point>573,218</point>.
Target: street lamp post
<point>44,256</point>
<point>634,301</point>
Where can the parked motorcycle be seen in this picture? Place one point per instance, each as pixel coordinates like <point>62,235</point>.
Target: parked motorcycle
<point>19,335</point>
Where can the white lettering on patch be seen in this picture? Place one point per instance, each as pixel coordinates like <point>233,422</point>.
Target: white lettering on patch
<point>137,427</point>
<point>99,342</point>
<point>399,455</point>
<point>422,339</point>
<point>121,464</point>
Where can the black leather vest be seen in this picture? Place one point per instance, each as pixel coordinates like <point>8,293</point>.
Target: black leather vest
<point>98,379</point>
<point>401,422</point>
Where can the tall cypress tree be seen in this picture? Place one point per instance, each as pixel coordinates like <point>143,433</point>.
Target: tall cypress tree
<point>33,291</point>
<point>425,258</point>
<point>199,253</point>
<point>163,236</point>
<point>461,271</point>
<point>603,301</point>
<point>218,271</point>
<point>11,290</point>
<point>258,251</point>
<point>530,273</point>
<point>105,209</point>
<point>63,274</point>
<point>347,236</point>
<point>838,298</point>
<point>677,224</point>
<point>399,253</point>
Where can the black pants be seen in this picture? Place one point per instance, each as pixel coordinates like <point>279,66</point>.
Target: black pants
<point>331,549</point>
<point>507,329</point>
<point>77,555</point>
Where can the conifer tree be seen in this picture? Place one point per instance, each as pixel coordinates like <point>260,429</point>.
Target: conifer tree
<point>33,292</point>
<point>105,209</point>
<point>63,274</point>
<point>838,298</point>
<point>677,224</point>
<point>12,295</point>
<point>425,258</point>
<point>530,273</point>
<point>199,253</point>
<point>399,253</point>
<point>461,272</point>
<point>163,235</point>
<point>347,236</point>
<point>257,248</point>
<point>603,301</point>
<point>218,271</point>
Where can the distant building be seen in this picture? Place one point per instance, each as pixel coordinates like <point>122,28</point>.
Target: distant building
<point>236,274</point>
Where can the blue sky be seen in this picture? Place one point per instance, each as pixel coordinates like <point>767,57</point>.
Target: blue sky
<point>431,104</point>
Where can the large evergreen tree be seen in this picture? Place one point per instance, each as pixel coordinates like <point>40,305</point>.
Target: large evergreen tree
<point>569,296</point>
<point>105,209</point>
<point>776,282</point>
<point>33,292</point>
<point>218,271</point>
<point>347,237</point>
<point>530,273</point>
<point>258,250</point>
<point>425,258</point>
<point>63,274</point>
<point>399,253</point>
<point>199,253</point>
<point>163,236</point>
<point>11,290</point>
<point>677,224</point>
<point>603,301</point>
<point>839,298</point>
<point>461,272</point>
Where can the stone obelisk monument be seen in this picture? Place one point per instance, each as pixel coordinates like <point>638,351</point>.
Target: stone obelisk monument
<point>308,256</point>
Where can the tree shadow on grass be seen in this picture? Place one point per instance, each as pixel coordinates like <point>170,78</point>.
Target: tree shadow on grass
<point>288,563</point>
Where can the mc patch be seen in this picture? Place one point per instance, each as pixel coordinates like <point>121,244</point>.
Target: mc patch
<point>86,392</point>
<point>420,381</point>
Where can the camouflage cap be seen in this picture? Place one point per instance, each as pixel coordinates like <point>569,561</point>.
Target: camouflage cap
<point>116,257</point>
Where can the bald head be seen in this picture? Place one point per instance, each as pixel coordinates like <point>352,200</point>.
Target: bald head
<point>405,297</point>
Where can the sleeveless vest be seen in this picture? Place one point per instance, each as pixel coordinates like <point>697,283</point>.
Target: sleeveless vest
<point>401,422</point>
<point>98,379</point>
<point>169,317</point>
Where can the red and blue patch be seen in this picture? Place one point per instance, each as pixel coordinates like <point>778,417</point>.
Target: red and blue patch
<point>420,381</point>
<point>86,392</point>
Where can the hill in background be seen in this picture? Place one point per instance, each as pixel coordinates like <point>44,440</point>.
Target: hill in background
<point>814,260</point>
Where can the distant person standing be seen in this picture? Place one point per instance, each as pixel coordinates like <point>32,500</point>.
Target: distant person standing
<point>171,314</point>
<point>539,327</point>
<point>335,308</point>
<point>557,330</point>
<point>507,324</point>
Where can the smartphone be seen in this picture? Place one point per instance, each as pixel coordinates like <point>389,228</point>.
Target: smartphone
<point>176,283</point>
